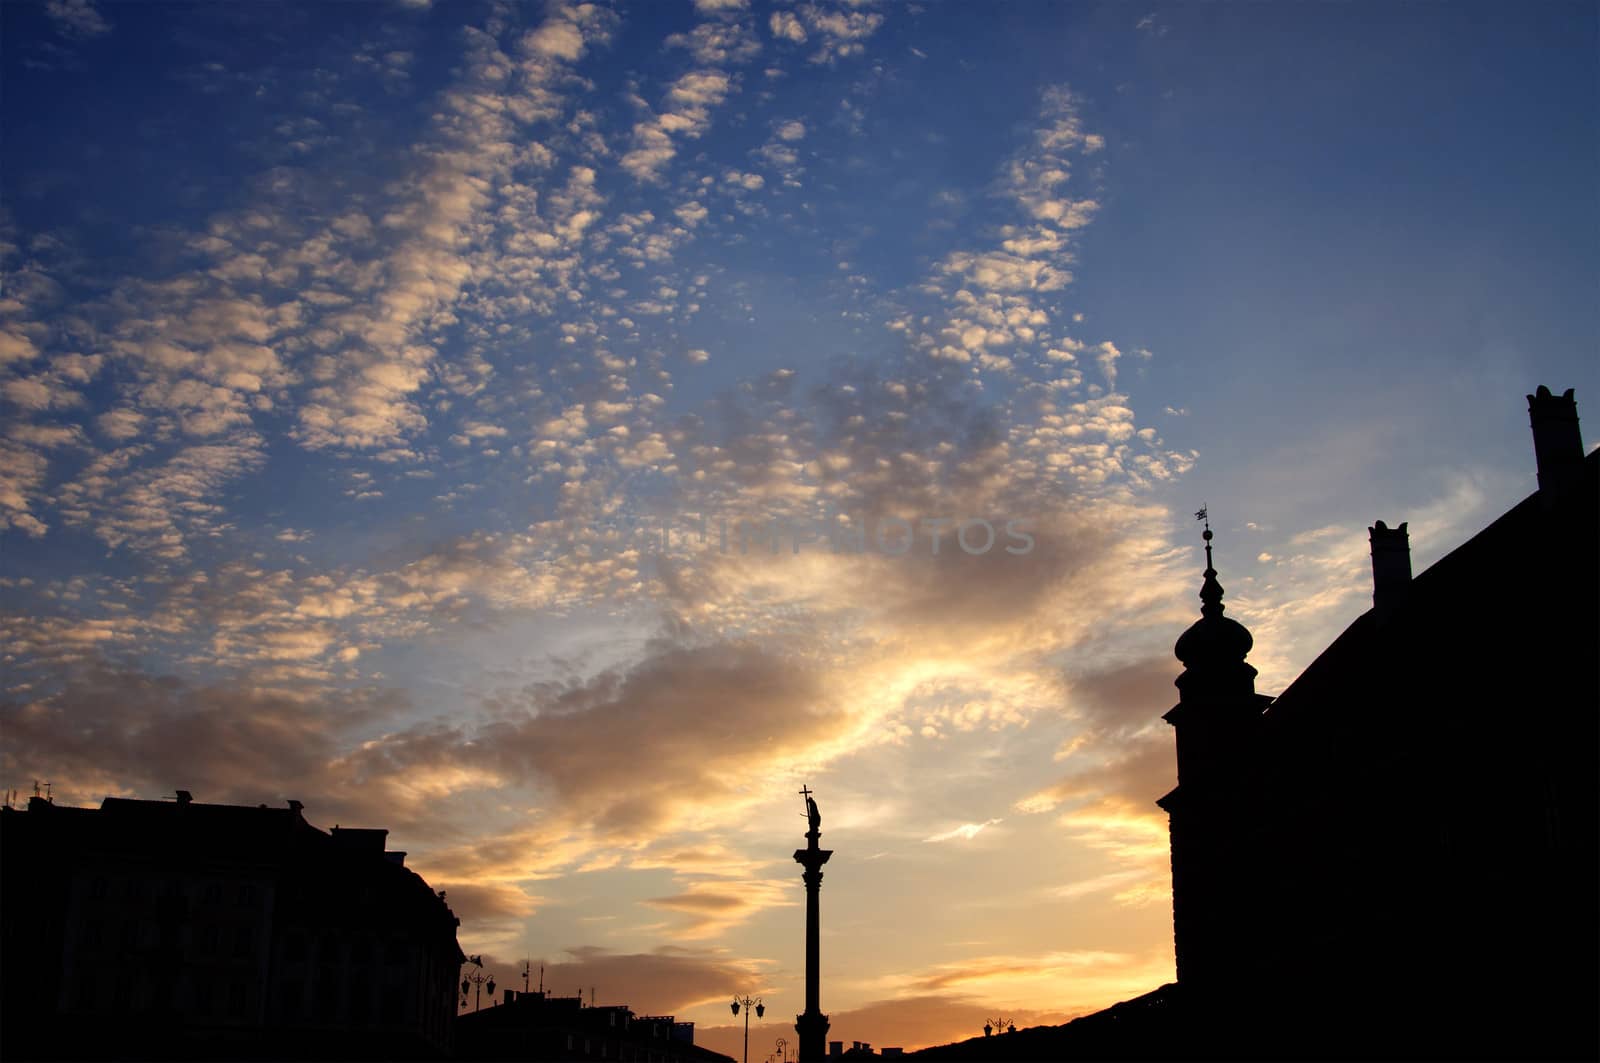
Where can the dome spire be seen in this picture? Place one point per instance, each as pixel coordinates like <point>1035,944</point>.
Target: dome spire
<point>1210,590</point>
<point>1214,639</point>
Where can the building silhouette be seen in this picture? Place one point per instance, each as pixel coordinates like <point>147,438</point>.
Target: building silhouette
<point>181,930</point>
<point>534,1026</point>
<point>1410,827</point>
<point>1397,856</point>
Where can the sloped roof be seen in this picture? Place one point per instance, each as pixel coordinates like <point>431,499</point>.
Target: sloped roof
<point>1520,590</point>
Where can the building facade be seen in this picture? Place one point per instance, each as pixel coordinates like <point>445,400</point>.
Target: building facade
<point>535,1026</point>
<point>1398,854</point>
<point>174,929</point>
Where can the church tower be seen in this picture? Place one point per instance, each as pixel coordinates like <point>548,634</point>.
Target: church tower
<point>1217,722</point>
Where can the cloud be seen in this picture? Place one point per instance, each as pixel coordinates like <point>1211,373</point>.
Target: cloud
<point>112,730</point>
<point>714,906</point>
<point>22,474</point>
<point>667,981</point>
<point>77,18</point>
<point>671,705</point>
<point>714,43</point>
<point>839,34</point>
<point>1152,24</point>
<point>160,507</point>
<point>686,114</point>
<point>966,831</point>
<point>785,26</point>
<point>1126,698</point>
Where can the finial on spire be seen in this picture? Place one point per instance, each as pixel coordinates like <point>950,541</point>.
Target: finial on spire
<point>1210,590</point>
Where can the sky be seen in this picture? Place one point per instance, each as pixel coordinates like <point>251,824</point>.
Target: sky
<point>557,433</point>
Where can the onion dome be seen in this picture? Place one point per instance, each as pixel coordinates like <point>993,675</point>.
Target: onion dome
<point>1214,639</point>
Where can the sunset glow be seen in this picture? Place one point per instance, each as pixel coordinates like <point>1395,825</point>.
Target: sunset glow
<point>369,370</point>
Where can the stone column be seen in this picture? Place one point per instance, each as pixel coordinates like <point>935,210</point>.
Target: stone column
<point>812,1026</point>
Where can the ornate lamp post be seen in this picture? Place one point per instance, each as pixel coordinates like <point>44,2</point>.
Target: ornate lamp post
<point>783,1051</point>
<point>748,1003</point>
<point>476,979</point>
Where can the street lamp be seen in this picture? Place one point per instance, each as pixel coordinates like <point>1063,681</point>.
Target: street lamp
<point>476,979</point>
<point>761,1010</point>
<point>783,1051</point>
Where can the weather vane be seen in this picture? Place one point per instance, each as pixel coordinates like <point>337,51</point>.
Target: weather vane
<point>1200,514</point>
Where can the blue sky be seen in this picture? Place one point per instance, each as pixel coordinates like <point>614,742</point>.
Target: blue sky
<point>335,337</point>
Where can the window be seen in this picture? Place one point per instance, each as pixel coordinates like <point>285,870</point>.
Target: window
<point>359,996</point>
<point>288,1002</point>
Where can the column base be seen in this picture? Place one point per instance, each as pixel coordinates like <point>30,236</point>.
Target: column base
<point>813,1030</point>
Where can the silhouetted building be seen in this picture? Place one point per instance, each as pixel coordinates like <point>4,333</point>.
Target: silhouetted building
<point>533,1026</point>
<point>861,1050</point>
<point>1401,848</point>
<point>162,929</point>
<point>1399,856</point>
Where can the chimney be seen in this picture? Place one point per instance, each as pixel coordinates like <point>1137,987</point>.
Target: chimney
<point>1391,566</point>
<point>295,806</point>
<point>1557,442</point>
<point>835,1048</point>
<point>511,996</point>
<point>184,797</point>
